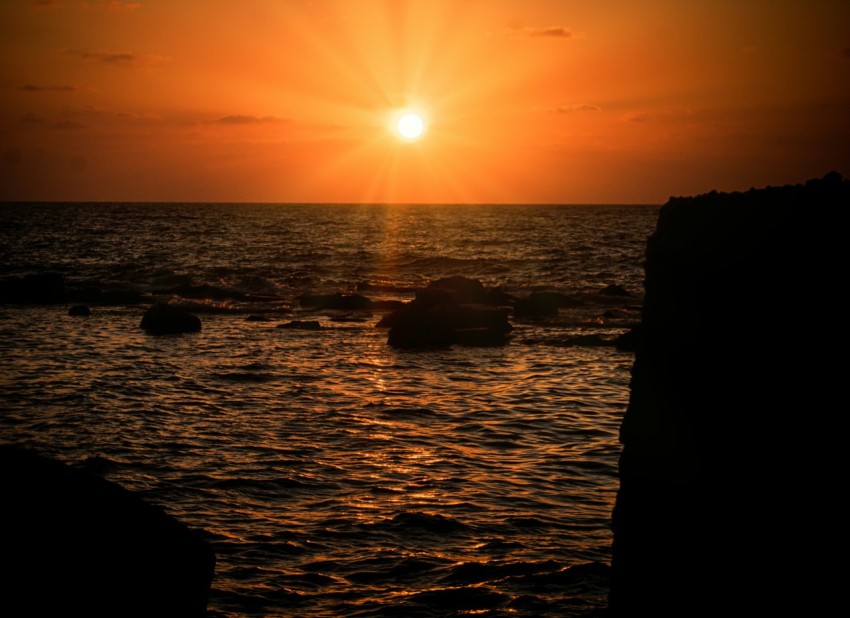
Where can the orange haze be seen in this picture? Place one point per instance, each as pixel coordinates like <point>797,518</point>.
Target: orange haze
<point>525,100</point>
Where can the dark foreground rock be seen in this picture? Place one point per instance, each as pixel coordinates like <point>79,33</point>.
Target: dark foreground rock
<point>43,289</point>
<point>733,460</point>
<point>164,319</point>
<point>75,544</point>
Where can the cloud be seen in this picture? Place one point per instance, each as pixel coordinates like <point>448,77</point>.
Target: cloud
<point>554,32</point>
<point>638,117</point>
<point>38,88</point>
<point>109,5</point>
<point>576,107</point>
<point>846,52</point>
<point>117,5</point>
<point>248,119</point>
<point>67,124</point>
<point>121,58</point>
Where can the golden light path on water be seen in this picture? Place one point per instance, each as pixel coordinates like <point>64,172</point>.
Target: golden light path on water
<point>332,473</point>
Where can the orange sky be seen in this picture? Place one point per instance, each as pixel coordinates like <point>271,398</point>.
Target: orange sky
<point>526,100</point>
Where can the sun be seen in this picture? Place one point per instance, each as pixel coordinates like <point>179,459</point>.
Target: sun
<point>410,126</point>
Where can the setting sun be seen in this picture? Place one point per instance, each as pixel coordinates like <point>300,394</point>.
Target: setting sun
<point>410,126</point>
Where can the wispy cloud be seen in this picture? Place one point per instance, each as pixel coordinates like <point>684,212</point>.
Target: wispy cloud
<point>248,119</point>
<point>40,88</point>
<point>576,107</point>
<point>67,124</point>
<point>117,5</point>
<point>639,117</point>
<point>554,32</point>
<point>128,59</point>
<point>108,5</point>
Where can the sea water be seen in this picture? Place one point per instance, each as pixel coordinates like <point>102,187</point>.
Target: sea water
<point>332,474</point>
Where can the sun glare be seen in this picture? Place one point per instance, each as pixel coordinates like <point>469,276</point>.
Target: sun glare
<point>410,126</point>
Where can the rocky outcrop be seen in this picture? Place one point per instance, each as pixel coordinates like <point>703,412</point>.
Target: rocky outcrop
<point>732,464</point>
<point>75,544</point>
<point>164,319</point>
<point>444,314</point>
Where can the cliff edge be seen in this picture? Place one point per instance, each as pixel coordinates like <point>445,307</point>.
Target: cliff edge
<point>731,467</point>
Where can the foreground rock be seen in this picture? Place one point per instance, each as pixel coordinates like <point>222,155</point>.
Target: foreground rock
<point>167,320</point>
<point>733,459</point>
<point>77,545</point>
<point>44,289</point>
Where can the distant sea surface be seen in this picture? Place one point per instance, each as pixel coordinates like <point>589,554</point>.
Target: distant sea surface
<point>334,475</point>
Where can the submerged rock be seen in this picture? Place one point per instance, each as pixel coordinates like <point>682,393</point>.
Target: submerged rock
<point>615,290</point>
<point>733,450</point>
<point>302,325</point>
<point>543,304</point>
<point>78,545</point>
<point>338,300</point>
<point>164,319</point>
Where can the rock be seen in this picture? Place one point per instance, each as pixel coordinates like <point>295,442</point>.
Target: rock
<point>80,311</point>
<point>499,298</point>
<point>366,286</point>
<point>734,455</point>
<point>78,545</point>
<point>387,305</point>
<point>164,319</point>
<point>302,325</point>
<point>424,325</point>
<point>42,289</point>
<point>629,341</point>
<point>345,302</point>
<point>615,290</point>
<point>465,290</point>
<point>543,304</point>
<point>93,295</point>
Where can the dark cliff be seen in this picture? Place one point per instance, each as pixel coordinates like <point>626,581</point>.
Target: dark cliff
<point>732,468</point>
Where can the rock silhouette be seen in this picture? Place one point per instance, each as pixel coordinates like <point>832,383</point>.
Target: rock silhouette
<point>41,289</point>
<point>446,313</point>
<point>731,461</point>
<point>338,300</point>
<point>78,545</point>
<point>79,311</point>
<point>164,319</point>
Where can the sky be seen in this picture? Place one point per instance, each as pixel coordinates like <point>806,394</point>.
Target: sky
<point>524,101</point>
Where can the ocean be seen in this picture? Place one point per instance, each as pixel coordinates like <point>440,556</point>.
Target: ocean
<point>333,474</point>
